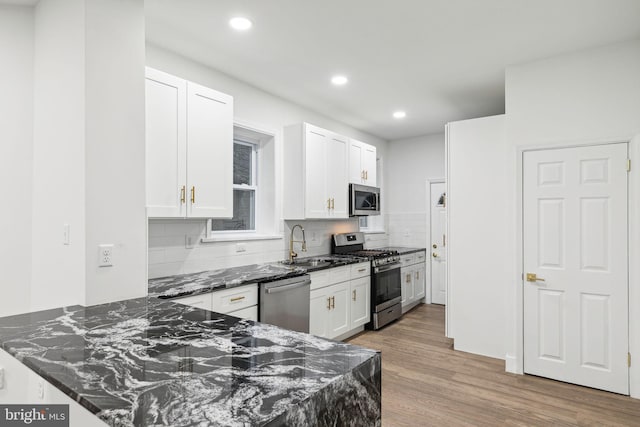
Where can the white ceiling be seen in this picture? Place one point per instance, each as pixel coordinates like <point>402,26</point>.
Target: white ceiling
<point>440,60</point>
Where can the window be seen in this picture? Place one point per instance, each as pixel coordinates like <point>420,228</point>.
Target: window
<point>245,189</point>
<point>255,215</point>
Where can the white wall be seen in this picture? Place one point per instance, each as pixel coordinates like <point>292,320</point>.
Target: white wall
<point>167,252</point>
<point>477,213</point>
<point>16,153</point>
<point>409,163</point>
<point>115,149</point>
<point>592,95</point>
<point>77,150</point>
<point>58,168</point>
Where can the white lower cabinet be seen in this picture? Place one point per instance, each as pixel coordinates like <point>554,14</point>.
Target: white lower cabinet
<point>360,301</point>
<point>241,301</point>
<point>413,278</point>
<point>340,301</point>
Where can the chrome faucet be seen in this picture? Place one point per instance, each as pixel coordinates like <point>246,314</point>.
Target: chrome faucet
<point>292,254</point>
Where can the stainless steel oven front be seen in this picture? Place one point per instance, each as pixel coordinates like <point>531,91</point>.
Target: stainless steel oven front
<point>386,298</point>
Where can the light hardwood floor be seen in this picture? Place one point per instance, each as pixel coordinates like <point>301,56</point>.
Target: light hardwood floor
<point>425,382</point>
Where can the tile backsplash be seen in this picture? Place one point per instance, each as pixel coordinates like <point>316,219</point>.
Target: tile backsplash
<point>176,247</point>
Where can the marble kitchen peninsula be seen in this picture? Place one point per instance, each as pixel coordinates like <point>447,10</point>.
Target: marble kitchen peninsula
<point>147,361</point>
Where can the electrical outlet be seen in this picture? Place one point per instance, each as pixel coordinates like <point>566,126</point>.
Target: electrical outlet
<point>105,255</point>
<point>41,389</point>
<point>66,234</point>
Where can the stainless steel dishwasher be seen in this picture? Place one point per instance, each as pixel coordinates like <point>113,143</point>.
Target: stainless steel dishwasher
<point>285,303</point>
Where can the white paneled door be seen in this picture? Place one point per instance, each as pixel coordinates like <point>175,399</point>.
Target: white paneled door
<point>438,243</point>
<point>576,265</point>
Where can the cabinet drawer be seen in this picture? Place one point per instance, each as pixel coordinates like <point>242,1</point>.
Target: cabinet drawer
<point>199,301</point>
<point>235,298</point>
<point>339,274</point>
<point>330,276</point>
<point>421,256</point>
<point>319,279</point>
<point>362,269</point>
<point>250,313</point>
<point>407,259</point>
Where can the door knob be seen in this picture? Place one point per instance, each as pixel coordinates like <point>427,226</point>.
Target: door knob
<point>435,246</point>
<point>532,277</point>
<point>435,255</point>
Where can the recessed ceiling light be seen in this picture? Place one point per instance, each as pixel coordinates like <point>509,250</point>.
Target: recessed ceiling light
<point>339,80</point>
<point>239,23</point>
<point>399,114</point>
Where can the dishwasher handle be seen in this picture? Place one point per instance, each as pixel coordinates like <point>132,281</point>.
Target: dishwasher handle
<point>277,289</point>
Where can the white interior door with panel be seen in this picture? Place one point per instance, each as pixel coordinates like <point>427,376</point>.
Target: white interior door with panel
<point>166,144</point>
<point>438,257</point>
<point>209,153</point>
<point>575,258</point>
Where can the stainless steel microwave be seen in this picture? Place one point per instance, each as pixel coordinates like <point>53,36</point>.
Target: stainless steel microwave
<point>363,200</point>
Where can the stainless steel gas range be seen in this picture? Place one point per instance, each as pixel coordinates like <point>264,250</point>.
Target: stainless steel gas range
<point>386,287</point>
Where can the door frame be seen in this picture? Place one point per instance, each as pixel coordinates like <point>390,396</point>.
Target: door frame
<point>515,362</point>
<point>427,243</point>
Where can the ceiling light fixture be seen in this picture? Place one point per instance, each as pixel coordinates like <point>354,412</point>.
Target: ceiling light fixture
<point>339,80</point>
<point>239,23</point>
<point>399,115</point>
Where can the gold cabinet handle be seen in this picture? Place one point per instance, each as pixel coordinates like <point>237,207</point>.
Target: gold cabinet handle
<point>366,174</point>
<point>183,194</point>
<point>333,203</point>
<point>328,303</point>
<point>237,299</point>
<point>193,194</point>
<point>532,277</point>
<point>362,174</point>
<point>328,203</point>
<point>417,275</point>
<point>362,270</point>
<point>333,303</point>
<point>354,295</point>
<point>408,278</point>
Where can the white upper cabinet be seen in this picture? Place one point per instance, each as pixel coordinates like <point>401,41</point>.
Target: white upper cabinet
<point>189,149</point>
<point>362,163</point>
<point>210,153</point>
<point>315,173</point>
<point>166,144</point>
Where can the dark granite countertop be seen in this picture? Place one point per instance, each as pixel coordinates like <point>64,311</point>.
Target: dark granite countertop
<point>183,285</point>
<point>148,361</point>
<point>404,250</point>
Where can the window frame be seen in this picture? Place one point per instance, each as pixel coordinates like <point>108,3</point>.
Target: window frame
<point>255,152</point>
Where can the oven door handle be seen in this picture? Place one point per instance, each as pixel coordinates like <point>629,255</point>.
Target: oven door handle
<point>386,267</point>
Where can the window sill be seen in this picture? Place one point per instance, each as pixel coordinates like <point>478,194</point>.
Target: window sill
<point>240,237</point>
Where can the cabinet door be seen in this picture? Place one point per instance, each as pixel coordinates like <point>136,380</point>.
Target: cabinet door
<point>317,202</point>
<point>209,153</point>
<point>356,171</point>
<point>337,176</point>
<point>419,282</point>
<point>319,308</point>
<point>407,285</point>
<point>360,302</point>
<point>369,164</point>
<point>249,313</point>
<point>340,305</point>
<point>166,144</point>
